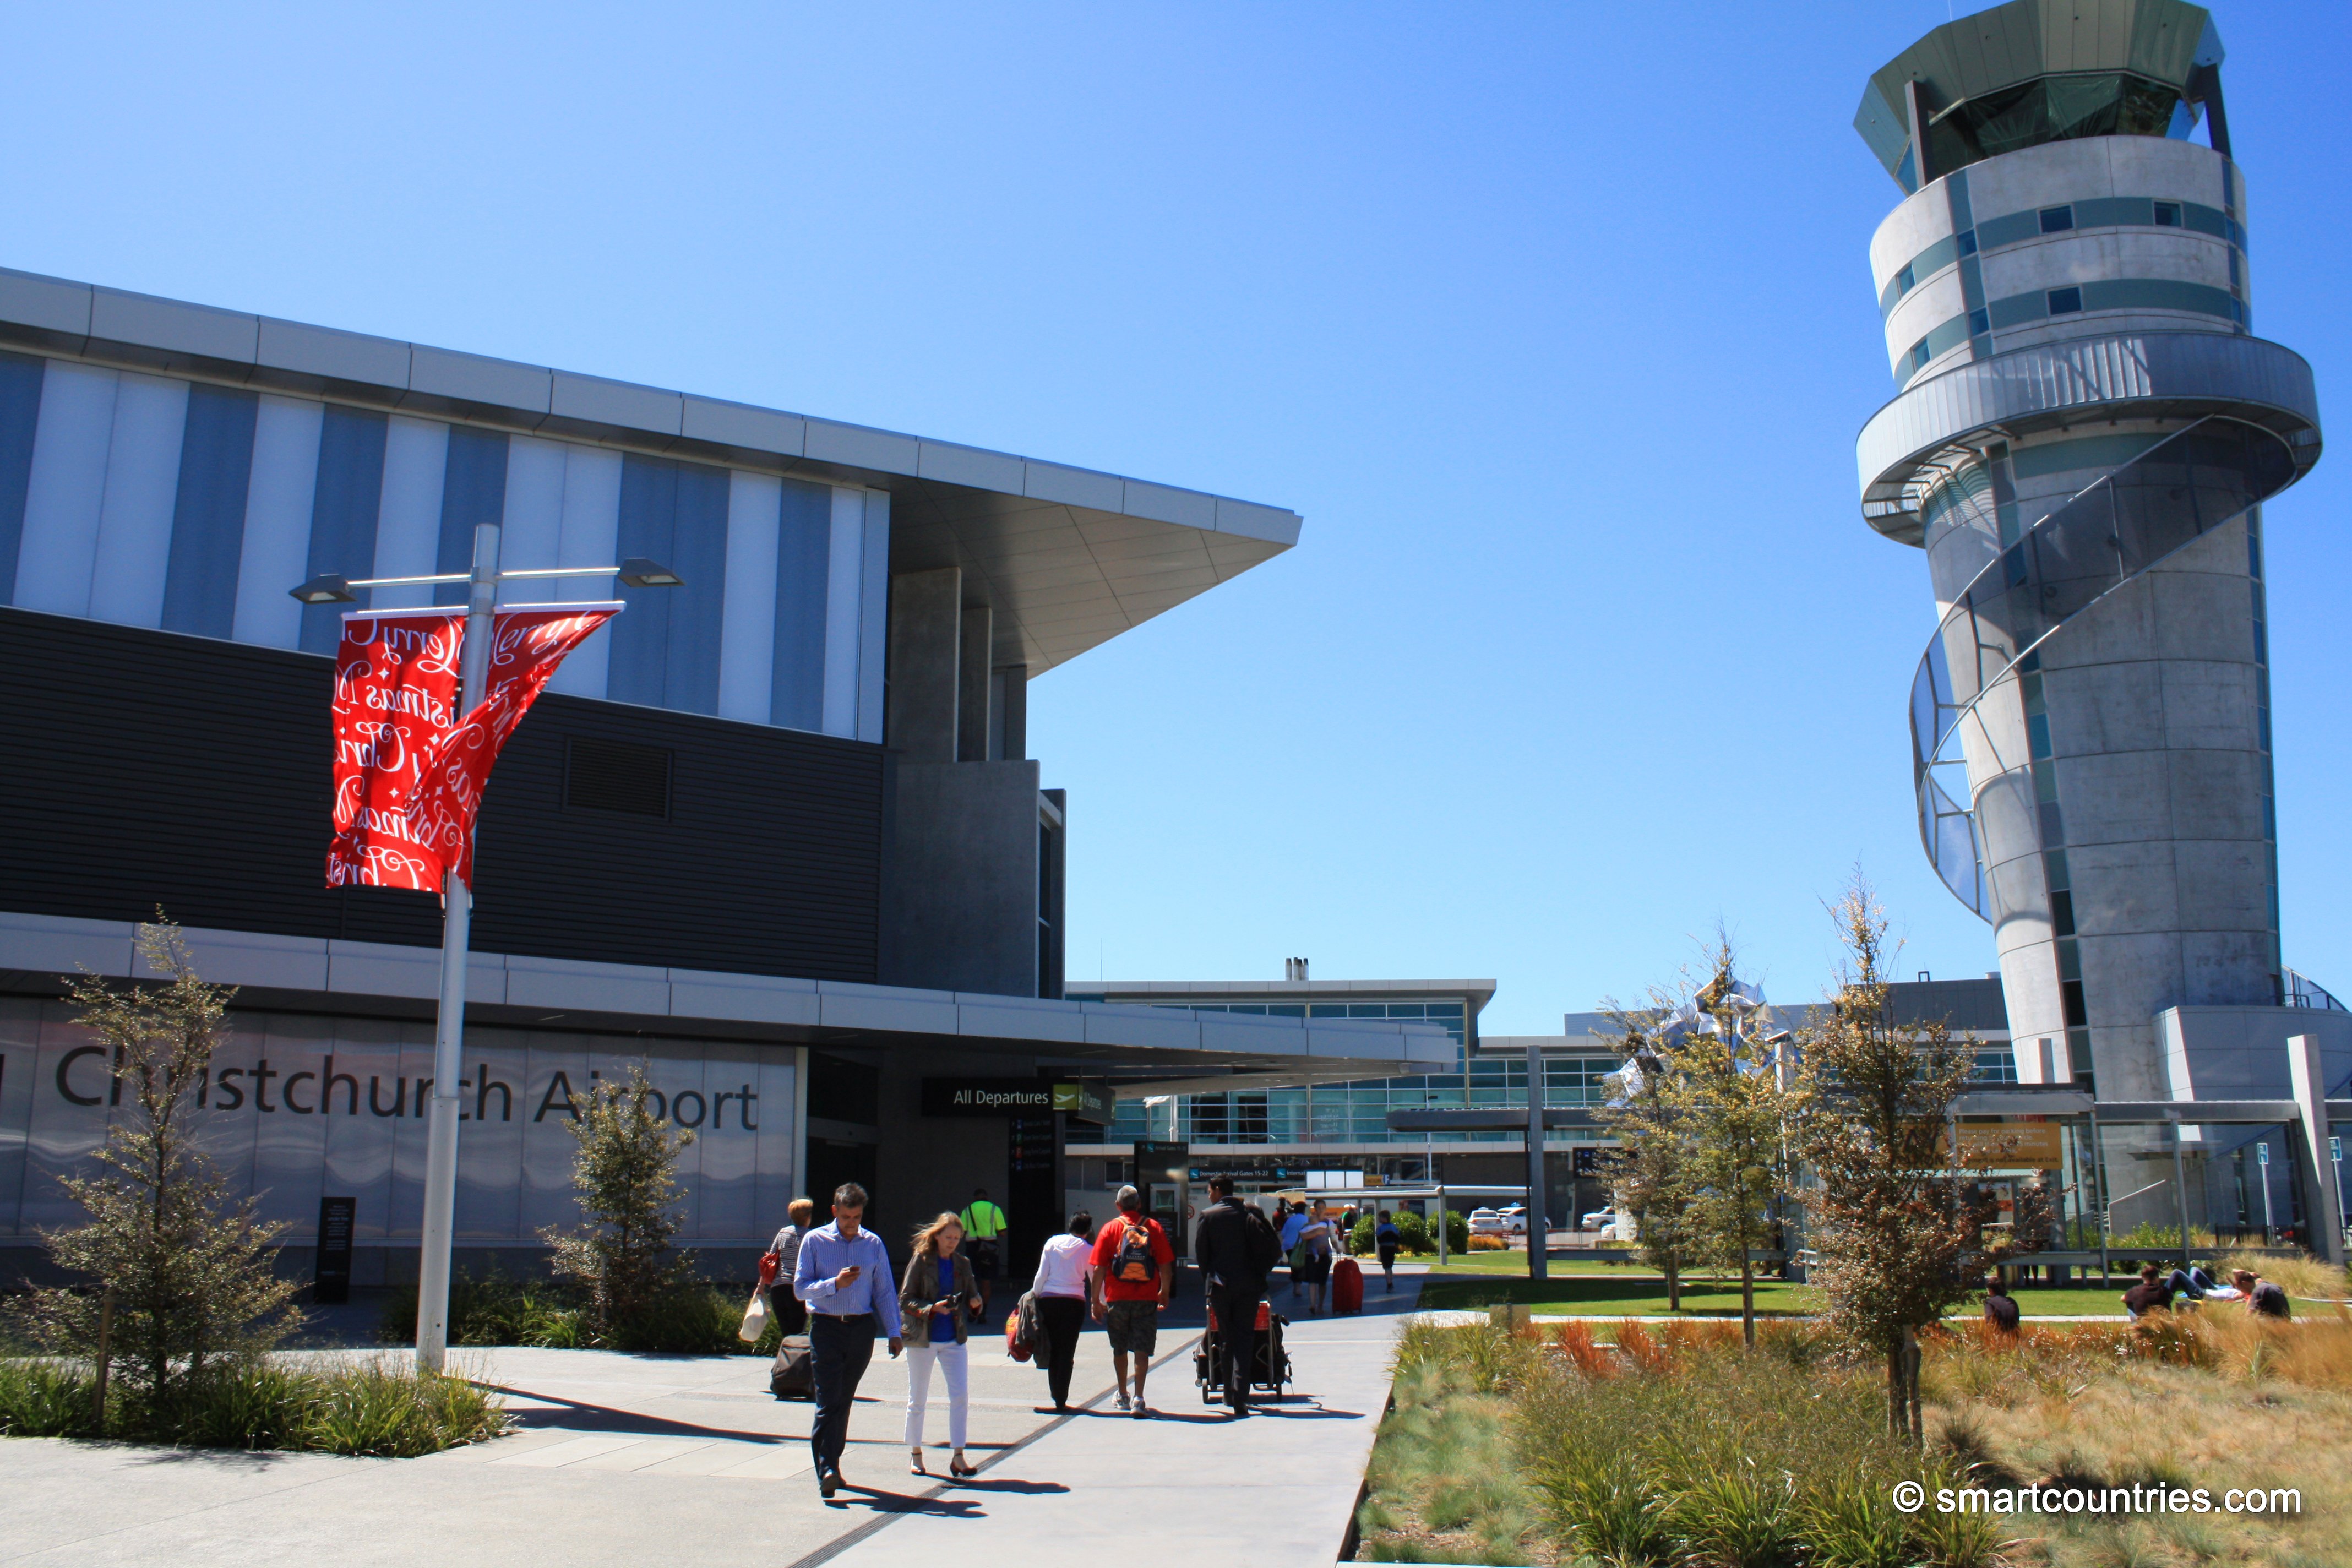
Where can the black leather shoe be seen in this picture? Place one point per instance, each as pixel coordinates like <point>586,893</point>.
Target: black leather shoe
<point>828,1481</point>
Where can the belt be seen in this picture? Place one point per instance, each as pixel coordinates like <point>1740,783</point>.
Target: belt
<point>844,1317</point>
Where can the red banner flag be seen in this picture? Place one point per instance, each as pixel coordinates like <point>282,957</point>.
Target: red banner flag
<point>409,773</point>
<point>396,699</point>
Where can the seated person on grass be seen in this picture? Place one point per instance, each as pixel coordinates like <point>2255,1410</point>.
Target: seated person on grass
<point>2150,1294</point>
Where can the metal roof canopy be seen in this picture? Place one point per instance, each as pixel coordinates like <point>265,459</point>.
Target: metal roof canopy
<point>1066,558</point>
<point>335,977</point>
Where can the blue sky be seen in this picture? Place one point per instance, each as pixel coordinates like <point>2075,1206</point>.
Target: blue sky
<point>1554,321</point>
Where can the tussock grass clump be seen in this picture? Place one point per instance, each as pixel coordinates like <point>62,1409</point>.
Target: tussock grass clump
<point>378,1407</point>
<point>2303,1276</point>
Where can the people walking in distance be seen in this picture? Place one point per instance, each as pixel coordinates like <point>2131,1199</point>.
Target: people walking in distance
<point>1317,1239</point>
<point>983,1222</point>
<point>1134,1268</point>
<point>1385,1237</point>
<point>792,1312</point>
<point>1293,1220</point>
<point>1236,1249</point>
<point>1064,1270</point>
<point>936,1300</point>
<point>844,1275</point>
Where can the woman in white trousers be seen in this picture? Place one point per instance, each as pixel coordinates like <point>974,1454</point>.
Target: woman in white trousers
<point>936,1303</point>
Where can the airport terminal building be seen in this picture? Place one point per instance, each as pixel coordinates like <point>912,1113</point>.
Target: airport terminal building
<point>775,833</point>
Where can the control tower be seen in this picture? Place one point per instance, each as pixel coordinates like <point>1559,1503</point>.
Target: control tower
<point>2083,430</point>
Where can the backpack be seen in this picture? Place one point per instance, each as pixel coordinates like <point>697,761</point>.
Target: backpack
<point>1265,1247</point>
<point>1133,1263</point>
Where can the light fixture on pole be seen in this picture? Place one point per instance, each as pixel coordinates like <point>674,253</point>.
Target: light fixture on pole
<point>457,920</point>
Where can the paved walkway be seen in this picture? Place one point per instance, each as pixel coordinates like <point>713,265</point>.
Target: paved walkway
<point>685,1460</point>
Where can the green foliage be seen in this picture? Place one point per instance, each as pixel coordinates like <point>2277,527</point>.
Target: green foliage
<point>625,1173</point>
<point>1704,1163</point>
<point>375,1407</point>
<point>171,1271</point>
<point>46,1399</point>
<point>497,1308</point>
<point>1897,1246</point>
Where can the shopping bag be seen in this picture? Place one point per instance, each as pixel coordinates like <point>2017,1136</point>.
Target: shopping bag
<point>755,1319</point>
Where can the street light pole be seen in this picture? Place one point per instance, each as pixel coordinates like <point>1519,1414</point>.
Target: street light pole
<point>457,907</point>
<point>450,1041</point>
<point>1538,1222</point>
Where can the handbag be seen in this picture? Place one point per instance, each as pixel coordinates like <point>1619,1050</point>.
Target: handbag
<point>755,1318</point>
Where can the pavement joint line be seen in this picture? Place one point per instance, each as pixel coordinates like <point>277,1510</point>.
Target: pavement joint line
<point>872,1527</point>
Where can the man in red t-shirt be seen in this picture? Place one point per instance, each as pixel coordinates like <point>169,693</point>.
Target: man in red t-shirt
<point>1133,1269</point>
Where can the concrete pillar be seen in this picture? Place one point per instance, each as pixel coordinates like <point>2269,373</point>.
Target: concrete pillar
<point>972,685</point>
<point>2312,1166</point>
<point>1538,1226</point>
<point>1011,712</point>
<point>925,632</point>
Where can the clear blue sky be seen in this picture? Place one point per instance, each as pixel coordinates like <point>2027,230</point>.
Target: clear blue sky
<point>1554,321</point>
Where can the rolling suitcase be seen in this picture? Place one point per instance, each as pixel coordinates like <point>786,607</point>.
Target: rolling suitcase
<point>1347,1287</point>
<point>794,1377</point>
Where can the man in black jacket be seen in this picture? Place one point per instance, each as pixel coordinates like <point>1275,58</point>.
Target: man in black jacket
<point>1235,1247</point>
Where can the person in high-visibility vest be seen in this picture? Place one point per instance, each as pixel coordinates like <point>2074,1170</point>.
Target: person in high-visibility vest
<point>984,1229</point>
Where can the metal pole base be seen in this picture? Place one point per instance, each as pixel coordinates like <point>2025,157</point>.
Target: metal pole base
<point>440,1223</point>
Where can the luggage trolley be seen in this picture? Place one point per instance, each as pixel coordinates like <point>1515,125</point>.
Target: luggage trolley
<point>1270,1368</point>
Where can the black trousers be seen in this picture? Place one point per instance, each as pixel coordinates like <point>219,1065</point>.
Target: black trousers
<point>1236,1309</point>
<point>792,1312</point>
<point>839,1351</point>
<point>1064,1319</point>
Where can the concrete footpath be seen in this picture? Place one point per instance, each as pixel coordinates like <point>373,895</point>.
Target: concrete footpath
<point>1191,1485</point>
<point>686,1460</point>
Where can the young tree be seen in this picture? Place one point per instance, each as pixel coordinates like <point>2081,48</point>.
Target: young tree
<point>1651,1168</point>
<point>1897,1242</point>
<point>1734,1113</point>
<point>626,1172</point>
<point>174,1274</point>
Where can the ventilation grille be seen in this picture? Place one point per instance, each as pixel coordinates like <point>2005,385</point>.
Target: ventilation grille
<point>615,775</point>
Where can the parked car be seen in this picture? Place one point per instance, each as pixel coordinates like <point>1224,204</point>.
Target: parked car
<point>1517,1213</point>
<point>1598,1219</point>
<point>1487,1222</point>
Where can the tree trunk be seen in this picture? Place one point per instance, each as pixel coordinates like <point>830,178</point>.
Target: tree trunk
<point>1911,1386</point>
<point>1747,1299</point>
<point>1673,1289</point>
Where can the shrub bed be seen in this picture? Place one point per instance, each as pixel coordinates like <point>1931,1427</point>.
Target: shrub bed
<point>497,1308</point>
<point>1672,1446</point>
<point>376,1407</point>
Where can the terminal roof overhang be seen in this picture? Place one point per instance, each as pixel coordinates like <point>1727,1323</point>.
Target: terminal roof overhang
<point>1066,558</point>
<point>377,980</point>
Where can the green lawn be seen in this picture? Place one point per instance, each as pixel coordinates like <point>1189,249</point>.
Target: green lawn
<point>1597,1294</point>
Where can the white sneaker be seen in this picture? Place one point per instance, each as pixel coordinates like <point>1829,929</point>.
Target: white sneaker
<point>1141,1409</point>
<point>1122,1402</point>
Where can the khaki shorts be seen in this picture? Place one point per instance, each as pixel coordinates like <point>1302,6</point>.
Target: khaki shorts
<point>1133,1327</point>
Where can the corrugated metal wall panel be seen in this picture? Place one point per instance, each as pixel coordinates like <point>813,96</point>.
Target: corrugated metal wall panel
<point>139,768</point>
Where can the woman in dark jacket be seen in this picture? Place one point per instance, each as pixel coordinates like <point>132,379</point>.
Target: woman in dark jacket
<point>936,1302</point>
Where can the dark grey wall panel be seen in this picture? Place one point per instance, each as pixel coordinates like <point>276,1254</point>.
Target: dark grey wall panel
<point>139,768</point>
<point>20,411</point>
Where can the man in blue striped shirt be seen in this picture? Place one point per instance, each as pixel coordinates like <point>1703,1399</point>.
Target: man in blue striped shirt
<point>844,1275</point>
